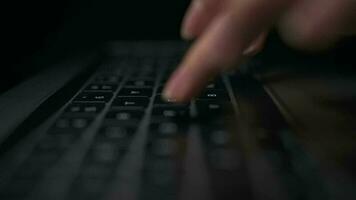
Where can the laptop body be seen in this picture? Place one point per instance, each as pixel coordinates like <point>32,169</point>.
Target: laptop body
<point>93,126</point>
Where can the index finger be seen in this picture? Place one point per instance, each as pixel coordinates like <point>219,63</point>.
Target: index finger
<point>222,44</point>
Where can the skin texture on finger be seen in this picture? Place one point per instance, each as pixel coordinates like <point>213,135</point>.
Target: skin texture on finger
<point>222,45</point>
<point>316,24</point>
<point>199,16</point>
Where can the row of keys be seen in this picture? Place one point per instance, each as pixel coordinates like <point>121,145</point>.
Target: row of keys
<point>211,94</point>
<point>162,108</point>
<point>94,96</point>
<point>101,87</point>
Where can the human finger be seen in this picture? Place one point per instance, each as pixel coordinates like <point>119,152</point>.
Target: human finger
<point>199,16</point>
<point>222,45</point>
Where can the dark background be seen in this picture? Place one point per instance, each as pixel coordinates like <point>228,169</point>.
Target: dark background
<point>40,28</point>
<point>45,31</point>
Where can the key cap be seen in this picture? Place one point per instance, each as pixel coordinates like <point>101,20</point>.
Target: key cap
<point>94,96</point>
<point>90,108</point>
<point>170,112</point>
<point>167,128</point>
<point>80,123</point>
<point>107,78</point>
<point>104,152</point>
<point>219,137</point>
<point>36,164</point>
<point>76,123</point>
<point>125,115</point>
<point>140,83</point>
<point>55,143</point>
<point>113,132</point>
<point>164,147</point>
<point>160,102</point>
<point>214,94</point>
<point>140,102</point>
<point>213,108</point>
<point>135,92</point>
<point>216,137</point>
<point>102,87</point>
<point>66,125</point>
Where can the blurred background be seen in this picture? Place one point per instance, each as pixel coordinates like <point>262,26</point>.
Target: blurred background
<point>45,31</point>
<point>41,27</point>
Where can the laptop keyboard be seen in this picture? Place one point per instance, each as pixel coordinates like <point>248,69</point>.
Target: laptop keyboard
<point>117,139</point>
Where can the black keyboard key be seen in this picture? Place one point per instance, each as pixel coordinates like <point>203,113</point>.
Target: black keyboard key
<point>214,94</point>
<point>55,143</point>
<point>102,87</point>
<point>159,101</point>
<point>125,115</point>
<point>104,152</point>
<point>140,102</point>
<point>140,83</point>
<point>90,108</point>
<point>68,125</point>
<point>219,137</point>
<point>146,92</point>
<point>161,178</point>
<point>164,147</point>
<point>167,129</point>
<point>116,132</point>
<point>209,104</point>
<point>170,112</point>
<point>216,137</point>
<point>107,78</point>
<point>77,123</point>
<point>36,164</point>
<point>94,96</point>
<point>212,107</point>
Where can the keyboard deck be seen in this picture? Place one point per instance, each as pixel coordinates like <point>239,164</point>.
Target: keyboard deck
<point>117,139</point>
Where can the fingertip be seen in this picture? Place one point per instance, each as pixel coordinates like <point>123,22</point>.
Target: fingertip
<point>186,34</point>
<point>178,87</point>
<point>169,95</point>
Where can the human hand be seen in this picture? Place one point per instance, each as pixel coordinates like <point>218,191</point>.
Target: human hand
<point>229,30</point>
